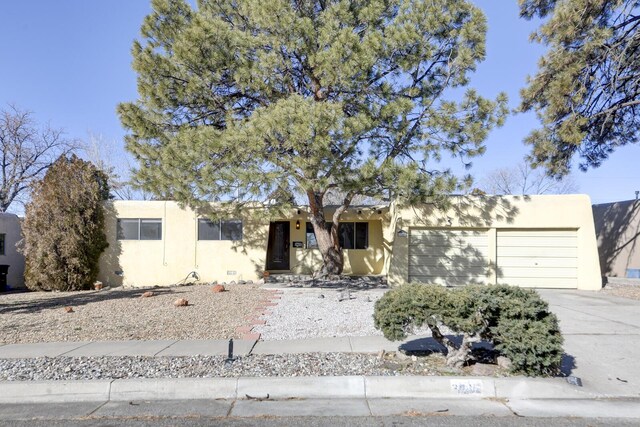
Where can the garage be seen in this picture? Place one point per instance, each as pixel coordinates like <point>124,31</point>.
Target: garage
<point>537,258</point>
<point>448,257</point>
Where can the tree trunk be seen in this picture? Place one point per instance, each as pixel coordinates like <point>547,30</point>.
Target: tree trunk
<point>457,356</point>
<point>327,233</point>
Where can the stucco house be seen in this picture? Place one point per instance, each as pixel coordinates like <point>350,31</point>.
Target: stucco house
<point>530,241</point>
<point>618,230</point>
<point>11,261</point>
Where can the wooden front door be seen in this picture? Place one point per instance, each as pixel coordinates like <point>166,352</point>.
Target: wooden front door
<point>278,246</point>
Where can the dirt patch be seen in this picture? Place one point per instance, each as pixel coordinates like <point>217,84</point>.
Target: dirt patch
<point>121,314</point>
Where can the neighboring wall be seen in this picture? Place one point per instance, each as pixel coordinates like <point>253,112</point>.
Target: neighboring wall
<point>618,227</point>
<point>11,228</point>
<point>494,216</point>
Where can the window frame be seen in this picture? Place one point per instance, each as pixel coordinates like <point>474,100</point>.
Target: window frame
<point>355,234</point>
<point>221,223</point>
<point>3,246</point>
<point>139,228</point>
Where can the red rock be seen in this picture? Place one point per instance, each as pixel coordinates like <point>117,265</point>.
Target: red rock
<point>218,288</point>
<point>68,309</point>
<point>147,294</point>
<point>181,302</point>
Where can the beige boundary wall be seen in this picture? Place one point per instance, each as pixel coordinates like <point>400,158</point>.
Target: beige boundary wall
<point>11,227</point>
<point>136,263</point>
<point>618,230</point>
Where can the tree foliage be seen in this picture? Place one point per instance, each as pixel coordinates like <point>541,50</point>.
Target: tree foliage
<point>27,149</point>
<point>587,89</point>
<point>515,320</point>
<point>64,227</point>
<point>524,180</point>
<point>252,101</point>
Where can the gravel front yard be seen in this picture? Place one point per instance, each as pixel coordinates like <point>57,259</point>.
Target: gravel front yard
<point>285,365</point>
<point>121,314</point>
<point>625,291</point>
<point>314,313</point>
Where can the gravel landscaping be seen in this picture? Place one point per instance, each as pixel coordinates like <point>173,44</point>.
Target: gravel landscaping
<point>313,313</point>
<point>289,365</point>
<point>122,314</point>
<point>620,290</point>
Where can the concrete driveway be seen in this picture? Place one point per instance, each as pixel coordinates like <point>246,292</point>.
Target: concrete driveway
<point>602,339</point>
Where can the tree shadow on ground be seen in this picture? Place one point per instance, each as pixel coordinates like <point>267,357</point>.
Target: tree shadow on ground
<point>567,365</point>
<point>76,299</point>
<point>482,351</point>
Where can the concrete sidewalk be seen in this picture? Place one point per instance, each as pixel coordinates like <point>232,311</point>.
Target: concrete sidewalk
<point>602,341</point>
<point>158,348</point>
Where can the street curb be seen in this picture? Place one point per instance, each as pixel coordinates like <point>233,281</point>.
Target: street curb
<point>358,387</point>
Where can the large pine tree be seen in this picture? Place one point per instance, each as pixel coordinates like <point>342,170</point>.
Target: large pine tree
<point>587,89</point>
<point>254,101</point>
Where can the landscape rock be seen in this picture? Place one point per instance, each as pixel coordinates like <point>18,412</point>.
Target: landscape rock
<point>147,294</point>
<point>97,285</point>
<point>504,362</point>
<point>68,309</point>
<point>484,369</point>
<point>181,302</point>
<point>218,288</point>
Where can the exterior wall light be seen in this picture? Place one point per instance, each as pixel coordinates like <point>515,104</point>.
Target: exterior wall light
<point>297,224</point>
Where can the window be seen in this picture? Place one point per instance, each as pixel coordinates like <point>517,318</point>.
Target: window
<point>139,229</point>
<point>230,229</point>
<point>352,235</point>
<point>2,244</point>
<point>312,243</point>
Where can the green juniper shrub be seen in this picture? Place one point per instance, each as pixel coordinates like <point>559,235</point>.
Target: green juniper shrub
<point>516,321</point>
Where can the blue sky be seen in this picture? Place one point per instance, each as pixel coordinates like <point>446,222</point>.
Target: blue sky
<point>69,62</point>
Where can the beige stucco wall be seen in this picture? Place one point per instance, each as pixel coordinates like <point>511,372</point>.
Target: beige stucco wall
<point>10,226</point>
<point>135,263</point>
<point>170,260</point>
<point>618,230</point>
<point>567,212</point>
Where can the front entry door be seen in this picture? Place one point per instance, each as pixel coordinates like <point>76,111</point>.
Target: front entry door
<point>278,246</point>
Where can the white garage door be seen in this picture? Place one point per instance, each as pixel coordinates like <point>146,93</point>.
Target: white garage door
<point>448,257</point>
<point>538,258</point>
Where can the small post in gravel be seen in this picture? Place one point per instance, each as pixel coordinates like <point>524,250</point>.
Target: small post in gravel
<point>230,358</point>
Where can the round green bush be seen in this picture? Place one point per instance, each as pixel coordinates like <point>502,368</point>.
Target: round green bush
<point>515,320</point>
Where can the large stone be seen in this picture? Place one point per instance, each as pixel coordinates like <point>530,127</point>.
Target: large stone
<point>218,288</point>
<point>147,294</point>
<point>181,302</point>
<point>484,369</point>
<point>504,362</point>
<point>97,285</point>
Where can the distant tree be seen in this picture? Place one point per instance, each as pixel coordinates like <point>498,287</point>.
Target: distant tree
<point>112,159</point>
<point>64,227</point>
<point>254,102</point>
<point>522,179</point>
<point>587,89</point>
<point>27,149</point>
